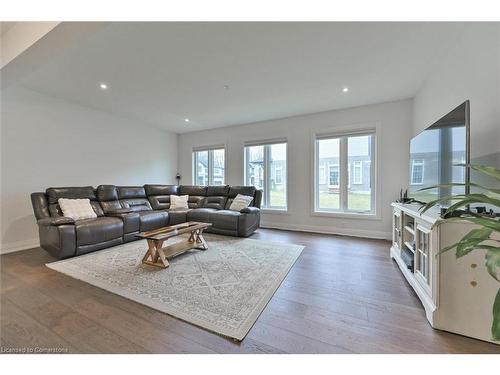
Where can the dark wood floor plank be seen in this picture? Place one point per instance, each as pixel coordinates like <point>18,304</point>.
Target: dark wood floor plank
<point>343,295</point>
<point>19,330</point>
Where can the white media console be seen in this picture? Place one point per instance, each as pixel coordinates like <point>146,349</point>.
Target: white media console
<point>457,294</point>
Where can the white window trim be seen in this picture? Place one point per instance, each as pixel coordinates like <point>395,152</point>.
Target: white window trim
<point>422,163</point>
<point>274,210</point>
<point>360,164</point>
<point>210,150</point>
<point>348,130</point>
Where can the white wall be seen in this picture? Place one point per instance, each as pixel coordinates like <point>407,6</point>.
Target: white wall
<point>394,126</point>
<point>51,142</point>
<point>469,70</point>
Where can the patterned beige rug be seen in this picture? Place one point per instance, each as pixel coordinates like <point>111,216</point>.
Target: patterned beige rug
<point>223,289</point>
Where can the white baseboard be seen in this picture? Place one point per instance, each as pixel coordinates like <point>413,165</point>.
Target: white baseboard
<point>19,245</point>
<point>330,230</point>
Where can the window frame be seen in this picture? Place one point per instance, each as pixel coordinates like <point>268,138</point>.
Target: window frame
<point>266,144</point>
<point>422,164</point>
<point>343,210</point>
<point>210,166</point>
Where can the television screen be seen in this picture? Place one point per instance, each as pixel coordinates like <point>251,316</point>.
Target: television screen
<point>435,153</point>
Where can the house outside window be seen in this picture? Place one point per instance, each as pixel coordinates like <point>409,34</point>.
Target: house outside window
<point>333,176</point>
<point>417,171</point>
<point>344,173</point>
<point>266,169</point>
<point>209,166</point>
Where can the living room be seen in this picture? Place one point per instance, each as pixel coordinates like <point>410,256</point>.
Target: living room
<point>244,187</point>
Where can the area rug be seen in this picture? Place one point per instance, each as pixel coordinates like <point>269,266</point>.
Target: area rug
<point>223,289</point>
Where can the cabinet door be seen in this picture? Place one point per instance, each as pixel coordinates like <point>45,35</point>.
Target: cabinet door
<point>396,228</point>
<point>422,256</point>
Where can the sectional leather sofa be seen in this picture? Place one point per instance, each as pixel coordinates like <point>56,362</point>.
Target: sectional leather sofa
<point>124,211</point>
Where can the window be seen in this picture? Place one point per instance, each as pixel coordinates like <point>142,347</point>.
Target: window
<point>357,172</point>
<point>266,169</point>
<point>208,166</point>
<point>333,176</point>
<point>349,158</point>
<point>417,171</point>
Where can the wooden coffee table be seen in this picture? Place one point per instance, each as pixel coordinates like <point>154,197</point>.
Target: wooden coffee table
<point>157,254</point>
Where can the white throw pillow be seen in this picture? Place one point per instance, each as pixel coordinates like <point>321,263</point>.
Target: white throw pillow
<point>179,202</point>
<point>240,202</point>
<point>76,209</point>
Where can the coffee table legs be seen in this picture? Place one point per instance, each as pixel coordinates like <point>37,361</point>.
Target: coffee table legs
<point>157,254</point>
<point>197,237</point>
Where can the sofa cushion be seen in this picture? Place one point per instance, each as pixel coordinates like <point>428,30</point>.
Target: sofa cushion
<point>136,204</point>
<point>108,198</point>
<point>243,190</point>
<point>241,202</point>
<point>177,216</point>
<point>101,229</point>
<point>216,197</point>
<point>150,220</point>
<point>107,193</point>
<point>152,190</point>
<point>85,192</point>
<point>77,209</point>
<point>200,214</point>
<point>128,192</point>
<point>193,190</point>
<point>217,190</point>
<point>225,219</point>
<point>159,202</point>
<point>159,195</point>
<point>179,202</point>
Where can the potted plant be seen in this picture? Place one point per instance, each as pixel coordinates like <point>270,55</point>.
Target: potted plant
<point>482,238</point>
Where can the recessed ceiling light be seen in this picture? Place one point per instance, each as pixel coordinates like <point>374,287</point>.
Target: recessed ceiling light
<point>186,120</point>
<point>226,87</point>
<point>345,89</point>
<point>103,86</point>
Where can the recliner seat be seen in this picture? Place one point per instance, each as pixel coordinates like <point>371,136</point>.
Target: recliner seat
<point>124,211</point>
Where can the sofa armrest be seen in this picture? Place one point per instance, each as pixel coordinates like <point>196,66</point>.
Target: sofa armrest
<point>250,210</point>
<point>56,221</point>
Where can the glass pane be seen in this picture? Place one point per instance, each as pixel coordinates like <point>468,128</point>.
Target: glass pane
<point>254,166</point>
<point>328,174</point>
<point>359,159</point>
<point>201,168</point>
<point>218,167</point>
<point>277,175</point>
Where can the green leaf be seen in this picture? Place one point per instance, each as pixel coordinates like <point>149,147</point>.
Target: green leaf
<point>492,261</point>
<point>495,327</point>
<point>471,240</point>
<point>473,198</point>
<point>444,199</point>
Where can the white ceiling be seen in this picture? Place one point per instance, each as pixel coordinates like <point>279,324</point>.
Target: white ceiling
<point>161,73</point>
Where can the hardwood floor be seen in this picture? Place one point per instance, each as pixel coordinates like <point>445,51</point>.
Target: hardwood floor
<point>343,295</point>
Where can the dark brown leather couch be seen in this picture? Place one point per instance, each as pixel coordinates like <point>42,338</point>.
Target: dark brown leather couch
<point>124,211</point>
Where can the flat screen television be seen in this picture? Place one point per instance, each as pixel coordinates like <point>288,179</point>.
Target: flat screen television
<point>435,153</point>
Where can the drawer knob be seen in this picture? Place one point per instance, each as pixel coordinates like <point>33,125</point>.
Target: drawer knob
<point>473,283</point>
